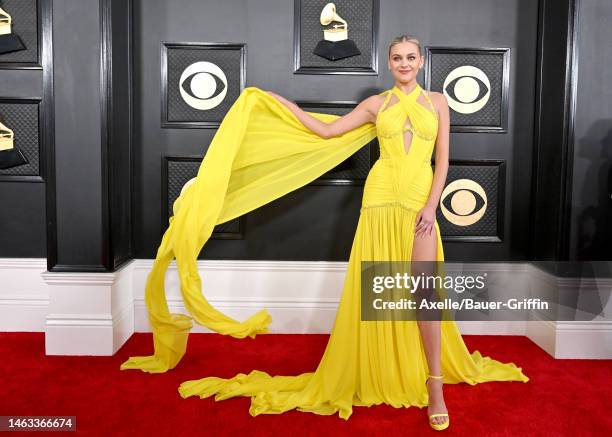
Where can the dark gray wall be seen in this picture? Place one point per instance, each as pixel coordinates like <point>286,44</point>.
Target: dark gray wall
<point>78,133</point>
<point>591,213</point>
<point>22,203</point>
<point>554,115</point>
<point>22,220</point>
<point>91,192</point>
<point>89,204</point>
<point>118,157</point>
<point>318,223</point>
<point>78,214</point>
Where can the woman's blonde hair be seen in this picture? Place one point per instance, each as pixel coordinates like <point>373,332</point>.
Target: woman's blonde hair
<point>406,38</point>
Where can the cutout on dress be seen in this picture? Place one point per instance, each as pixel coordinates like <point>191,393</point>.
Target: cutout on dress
<point>393,100</point>
<point>421,100</point>
<point>407,128</point>
<point>407,135</point>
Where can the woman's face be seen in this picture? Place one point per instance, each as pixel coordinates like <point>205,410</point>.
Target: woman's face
<point>405,61</point>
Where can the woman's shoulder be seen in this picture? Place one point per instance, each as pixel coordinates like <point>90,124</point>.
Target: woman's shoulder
<point>373,103</point>
<point>376,101</point>
<point>438,99</point>
<point>440,104</point>
<point>378,98</point>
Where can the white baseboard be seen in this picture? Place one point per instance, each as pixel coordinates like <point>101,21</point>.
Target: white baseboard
<point>89,313</point>
<point>301,297</point>
<point>310,307</point>
<point>590,339</point>
<point>95,313</point>
<point>24,295</point>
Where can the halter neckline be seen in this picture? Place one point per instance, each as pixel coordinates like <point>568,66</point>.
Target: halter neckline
<point>411,95</point>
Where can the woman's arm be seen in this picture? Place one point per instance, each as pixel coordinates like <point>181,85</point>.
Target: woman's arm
<point>361,114</point>
<point>425,226</point>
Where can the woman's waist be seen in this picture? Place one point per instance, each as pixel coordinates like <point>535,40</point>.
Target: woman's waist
<point>390,181</point>
<point>397,154</point>
<point>409,198</point>
<point>388,162</point>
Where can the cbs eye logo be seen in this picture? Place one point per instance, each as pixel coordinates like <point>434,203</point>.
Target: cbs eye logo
<point>467,89</point>
<point>203,85</point>
<point>463,202</point>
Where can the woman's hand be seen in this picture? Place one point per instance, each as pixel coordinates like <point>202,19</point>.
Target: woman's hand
<point>425,221</point>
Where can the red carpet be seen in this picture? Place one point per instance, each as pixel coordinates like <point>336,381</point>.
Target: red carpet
<point>563,397</point>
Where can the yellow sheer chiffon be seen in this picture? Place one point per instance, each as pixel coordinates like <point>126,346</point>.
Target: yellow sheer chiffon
<point>261,152</point>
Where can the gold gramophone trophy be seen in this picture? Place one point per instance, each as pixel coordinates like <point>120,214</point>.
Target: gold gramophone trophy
<point>335,43</point>
<point>9,155</point>
<point>9,42</point>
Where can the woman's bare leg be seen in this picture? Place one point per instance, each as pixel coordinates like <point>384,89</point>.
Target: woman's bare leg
<point>424,249</point>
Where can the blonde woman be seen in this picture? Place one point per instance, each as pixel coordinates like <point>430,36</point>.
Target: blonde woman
<point>400,363</point>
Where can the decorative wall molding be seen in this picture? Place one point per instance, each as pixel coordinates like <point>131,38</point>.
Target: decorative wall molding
<point>95,313</point>
<point>571,339</point>
<point>24,296</point>
<point>88,313</point>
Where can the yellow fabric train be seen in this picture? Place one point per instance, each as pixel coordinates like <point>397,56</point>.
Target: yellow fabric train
<point>261,152</point>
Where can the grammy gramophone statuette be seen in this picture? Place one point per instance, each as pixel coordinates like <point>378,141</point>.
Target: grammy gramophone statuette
<point>335,43</point>
<point>9,42</point>
<point>9,155</point>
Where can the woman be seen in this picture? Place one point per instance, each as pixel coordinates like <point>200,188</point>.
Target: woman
<point>400,363</point>
<point>405,60</point>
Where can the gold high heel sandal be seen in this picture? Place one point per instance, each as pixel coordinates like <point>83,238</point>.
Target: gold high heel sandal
<point>437,426</point>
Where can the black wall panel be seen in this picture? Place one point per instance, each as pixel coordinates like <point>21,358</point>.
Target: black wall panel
<point>553,124</point>
<point>89,201</point>
<point>26,85</point>
<point>118,134</point>
<point>591,206</point>
<point>318,222</point>
<point>78,148</point>
<point>99,200</point>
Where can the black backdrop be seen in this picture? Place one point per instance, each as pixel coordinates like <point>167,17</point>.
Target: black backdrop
<point>318,222</point>
<point>101,203</point>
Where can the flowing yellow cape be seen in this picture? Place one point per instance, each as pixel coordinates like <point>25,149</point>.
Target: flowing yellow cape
<point>260,152</point>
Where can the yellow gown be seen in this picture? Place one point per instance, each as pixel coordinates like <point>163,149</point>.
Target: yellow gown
<point>261,152</point>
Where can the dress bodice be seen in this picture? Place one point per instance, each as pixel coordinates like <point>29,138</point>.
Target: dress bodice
<point>407,114</point>
<point>403,174</point>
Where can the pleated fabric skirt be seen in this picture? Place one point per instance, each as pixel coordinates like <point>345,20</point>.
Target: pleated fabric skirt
<point>365,363</point>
